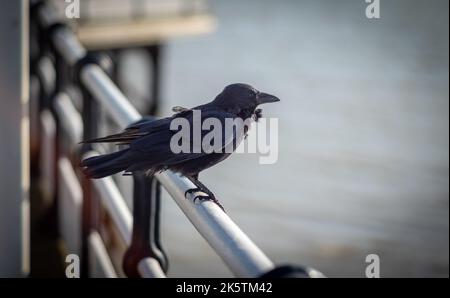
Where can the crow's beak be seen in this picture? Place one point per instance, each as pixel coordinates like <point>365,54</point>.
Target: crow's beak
<point>266,98</point>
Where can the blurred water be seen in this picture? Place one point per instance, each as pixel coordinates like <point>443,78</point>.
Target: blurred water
<point>363,145</point>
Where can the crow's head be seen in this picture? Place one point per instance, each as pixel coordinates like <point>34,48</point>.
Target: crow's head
<point>242,97</point>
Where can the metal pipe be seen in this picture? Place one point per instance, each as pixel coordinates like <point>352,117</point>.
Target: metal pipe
<point>103,266</point>
<point>64,40</point>
<point>110,97</point>
<point>116,206</point>
<point>68,46</point>
<point>47,16</point>
<point>69,117</point>
<point>150,268</point>
<point>238,252</point>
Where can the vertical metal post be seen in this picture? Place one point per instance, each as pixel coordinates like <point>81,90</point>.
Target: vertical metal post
<point>154,52</point>
<point>145,238</point>
<point>14,133</point>
<point>89,208</point>
<point>61,82</point>
<point>52,212</point>
<point>115,56</point>
<point>91,113</point>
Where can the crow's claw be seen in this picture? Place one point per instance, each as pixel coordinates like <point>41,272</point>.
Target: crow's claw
<point>201,198</point>
<point>208,197</point>
<point>192,190</point>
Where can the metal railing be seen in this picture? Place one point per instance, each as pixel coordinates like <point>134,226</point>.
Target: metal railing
<point>235,248</point>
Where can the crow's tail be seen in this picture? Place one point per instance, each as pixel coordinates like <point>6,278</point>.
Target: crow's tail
<point>105,165</point>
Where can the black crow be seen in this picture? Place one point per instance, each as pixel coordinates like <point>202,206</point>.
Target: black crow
<point>148,141</point>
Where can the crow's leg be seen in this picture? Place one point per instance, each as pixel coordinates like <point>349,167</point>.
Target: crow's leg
<point>193,179</point>
<point>203,188</point>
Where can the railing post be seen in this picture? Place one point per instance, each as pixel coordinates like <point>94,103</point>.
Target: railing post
<point>154,52</point>
<point>89,206</point>
<point>145,237</point>
<point>47,96</point>
<point>91,112</point>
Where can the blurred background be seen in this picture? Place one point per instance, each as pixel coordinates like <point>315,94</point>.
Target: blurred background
<point>363,163</point>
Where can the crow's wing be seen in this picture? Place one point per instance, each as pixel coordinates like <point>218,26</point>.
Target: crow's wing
<point>154,149</point>
<point>134,131</point>
<point>146,126</point>
<point>124,137</point>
